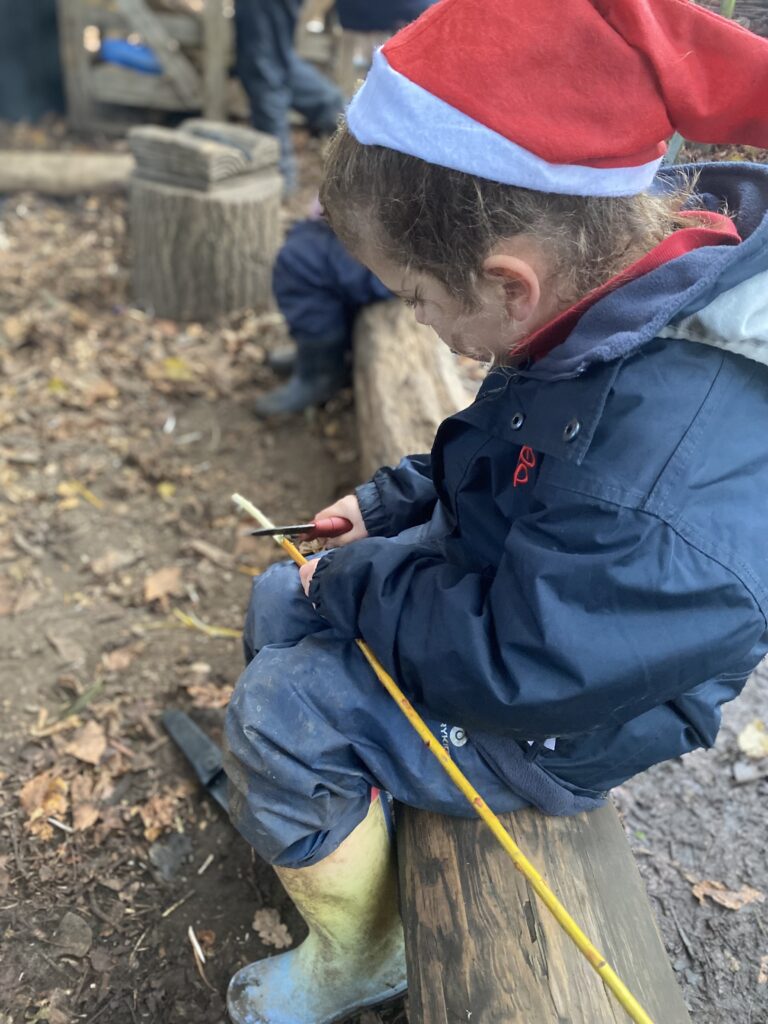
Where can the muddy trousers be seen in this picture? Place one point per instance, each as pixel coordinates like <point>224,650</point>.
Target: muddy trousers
<point>310,731</point>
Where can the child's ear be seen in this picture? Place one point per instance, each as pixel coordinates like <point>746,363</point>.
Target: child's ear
<point>520,283</point>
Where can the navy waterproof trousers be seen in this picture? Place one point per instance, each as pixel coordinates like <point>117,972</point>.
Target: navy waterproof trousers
<point>276,79</point>
<point>310,731</point>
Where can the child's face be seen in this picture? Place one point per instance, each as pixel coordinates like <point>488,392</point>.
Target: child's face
<point>509,303</point>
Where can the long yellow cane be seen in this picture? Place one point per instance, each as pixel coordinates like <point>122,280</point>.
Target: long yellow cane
<point>521,862</point>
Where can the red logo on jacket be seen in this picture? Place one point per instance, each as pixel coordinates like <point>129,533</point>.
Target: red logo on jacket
<point>526,461</point>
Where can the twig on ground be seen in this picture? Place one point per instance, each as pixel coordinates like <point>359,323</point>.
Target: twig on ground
<point>191,621</point>
<point>206,864</point>
<point>199,957</point>
<point>175,906</point>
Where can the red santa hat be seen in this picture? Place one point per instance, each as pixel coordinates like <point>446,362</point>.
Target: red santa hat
<point>568,96</point>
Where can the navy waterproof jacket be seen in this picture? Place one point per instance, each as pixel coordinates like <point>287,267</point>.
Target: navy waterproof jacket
<point>596,568</point>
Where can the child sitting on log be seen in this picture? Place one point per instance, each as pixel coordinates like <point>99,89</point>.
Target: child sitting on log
<point>575,580</point>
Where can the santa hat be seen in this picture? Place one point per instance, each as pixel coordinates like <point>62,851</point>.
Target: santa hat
<point>568,96</point>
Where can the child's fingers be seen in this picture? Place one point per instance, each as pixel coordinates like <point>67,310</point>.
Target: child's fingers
<point>349,508</point>
<point>306,572</point>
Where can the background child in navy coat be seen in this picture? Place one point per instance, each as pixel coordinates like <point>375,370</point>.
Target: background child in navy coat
<point>575,579</point>
<point>319,288</point>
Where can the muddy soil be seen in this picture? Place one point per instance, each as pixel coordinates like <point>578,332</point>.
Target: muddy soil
<point>122,438</point>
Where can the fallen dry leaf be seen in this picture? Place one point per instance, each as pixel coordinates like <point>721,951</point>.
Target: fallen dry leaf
<point>209,695</point>
<point>753,739</point>
<point>44,796</point>
<point>54,1009</point>
<point>270,929</point>
<point>161,584</point>
<point>67,648</point>
<point>88,744</point>
<point>27,598</point>
<point>112,560</point>
<point>159,813</point>
<point>84,810</point>
<point>96,389</point>
<point>166,490</point>
<point>762,976</point>
<point>119,659</point>
<point>70,491</point>
<point>733,900</point>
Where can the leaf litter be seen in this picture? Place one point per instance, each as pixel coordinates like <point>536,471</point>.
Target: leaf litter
<point>124,577</point>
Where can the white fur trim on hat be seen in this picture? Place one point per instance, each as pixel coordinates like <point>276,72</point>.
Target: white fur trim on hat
<point>390,110</point>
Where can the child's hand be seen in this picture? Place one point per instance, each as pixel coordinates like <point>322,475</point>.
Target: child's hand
<point>306,572</point>
<point>349,508</point>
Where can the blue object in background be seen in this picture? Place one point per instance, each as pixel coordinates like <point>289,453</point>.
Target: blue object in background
<point>131,55</point>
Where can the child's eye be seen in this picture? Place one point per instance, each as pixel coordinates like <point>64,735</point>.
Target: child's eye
<point>414,301</point>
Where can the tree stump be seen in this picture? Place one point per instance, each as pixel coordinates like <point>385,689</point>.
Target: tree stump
<point>206,230</point>
<point>480,946</point>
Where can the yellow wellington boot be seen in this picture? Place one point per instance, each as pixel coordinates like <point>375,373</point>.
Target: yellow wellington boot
<point>354,955</point>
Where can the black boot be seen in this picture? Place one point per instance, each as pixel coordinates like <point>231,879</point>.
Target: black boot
<point>282,360</point>
<point>321,370</point>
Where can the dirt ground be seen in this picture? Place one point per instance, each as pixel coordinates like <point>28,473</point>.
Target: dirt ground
<point>122,438</point>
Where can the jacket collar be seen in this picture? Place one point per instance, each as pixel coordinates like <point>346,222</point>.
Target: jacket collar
<point>554,417</point>
<point>638,311</point>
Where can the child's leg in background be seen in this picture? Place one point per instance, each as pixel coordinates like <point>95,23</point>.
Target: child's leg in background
<point>318,287</point>
<point>276,79</point>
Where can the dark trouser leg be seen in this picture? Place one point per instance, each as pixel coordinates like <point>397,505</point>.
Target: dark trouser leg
<point>269,69</point>
<point>310,731</point>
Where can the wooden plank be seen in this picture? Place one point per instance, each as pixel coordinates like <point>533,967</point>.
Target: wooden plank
<point>216,31</point>
<point>479,941</point>
<point>186,29</point>
<point>111,83</point>
<point>179,70</point>
<point>75,62</point>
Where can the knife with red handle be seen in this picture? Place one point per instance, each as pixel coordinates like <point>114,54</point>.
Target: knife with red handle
<point>330,526</point>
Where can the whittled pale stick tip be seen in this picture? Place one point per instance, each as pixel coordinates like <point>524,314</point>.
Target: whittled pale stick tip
<point>255,513</point>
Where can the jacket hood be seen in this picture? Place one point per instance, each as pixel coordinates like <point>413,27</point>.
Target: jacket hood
<point>715,295</point>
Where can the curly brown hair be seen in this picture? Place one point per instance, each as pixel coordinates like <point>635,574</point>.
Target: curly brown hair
<point>445,222</point>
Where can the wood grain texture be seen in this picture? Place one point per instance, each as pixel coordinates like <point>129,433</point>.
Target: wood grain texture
<point>63,173</point>
<point>481,947</point>
<point>75,62</point>
<point>199,255</point>
<point>405,384</point>
<point>178,69</point>
<point>217,34</point>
